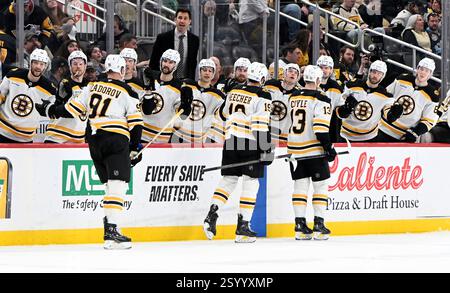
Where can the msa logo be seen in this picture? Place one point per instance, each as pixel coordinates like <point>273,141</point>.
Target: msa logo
<point>80,178</point>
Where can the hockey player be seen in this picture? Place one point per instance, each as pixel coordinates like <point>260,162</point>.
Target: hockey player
<point>217,131</point>
<point>310,113</point>
<point>420,102</point>
<point>114,139</point>
<point>69,129</point>
<point>135,83</point>
<point>167,98</point>
<point>206,101</point>
<point>333,91</point>
<point>247,114</point>
<point>441,131</point>
<point>365,102</point>
<point>20,90</point>
<point>280,90</point>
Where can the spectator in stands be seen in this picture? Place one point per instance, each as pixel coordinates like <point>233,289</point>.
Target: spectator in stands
<point>127,41</point>
<point>391,8</point>
<point>303,40</point>
<point>119,31</point>
<point>251,13</point>
<point>348,10</point>
<point>59,70</point>
<point>415,33</point>
<point>54,11</point>
<point>370,11</point>
<point>218,78</point>
<point>34,15</point>
<point>95,56</point>
<point>31,42</point>
<point>180,39</point>
<point>66,32</point>
<point>401,20</point>
<point>67,47</point>
<point>433,21</point>
<point>289,54</point>
<point>346,69</point>
<point>296,10</point>
<point>7,47</point>
<point>90,74</point>
<point>436,8</point>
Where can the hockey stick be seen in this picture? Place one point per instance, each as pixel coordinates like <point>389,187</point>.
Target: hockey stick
<point>178,114</point>
<point>348,151</point>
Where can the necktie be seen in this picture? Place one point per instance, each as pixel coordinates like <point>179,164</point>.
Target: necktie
<point>180,69</point>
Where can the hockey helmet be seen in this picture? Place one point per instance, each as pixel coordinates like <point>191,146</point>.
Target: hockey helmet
<point>114,63</point>
<point>380,66</point>
<point>77,54</point>
<point>129,53</point>
<point>291,66</point>
<point>39,55</point>
<point>241,62</point>
<point>257,72</point>
<point>171,55</point>
<point>207,63</point>
<point>312,74</point>
<point>325,61</point>
<point>428,64</point>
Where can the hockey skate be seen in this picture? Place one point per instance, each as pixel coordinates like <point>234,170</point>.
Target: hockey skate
<point>113,238</point>
<point>302,231</point>
<point>244,233</point>
<point>209,225</point>
<point>320,231</point>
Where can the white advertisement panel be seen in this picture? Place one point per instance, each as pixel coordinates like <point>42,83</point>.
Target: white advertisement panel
<point>56,187</point>
<point>372,183</point>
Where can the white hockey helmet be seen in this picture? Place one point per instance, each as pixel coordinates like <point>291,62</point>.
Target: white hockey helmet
<point>291,66</point>
<point>77,54</point>
<point>171,55</point>
<point>242,62</point>
<point>428,64</point>
<point>380,66</point>
<point>129,53</point>
<point>312,73</point>
<point>257,72</point>
<point>325,61</point>
<point>114,63</point>
<point>39,55</point>
<point>207,63</point>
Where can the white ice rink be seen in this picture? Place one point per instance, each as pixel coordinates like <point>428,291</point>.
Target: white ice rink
<point>427,252</point>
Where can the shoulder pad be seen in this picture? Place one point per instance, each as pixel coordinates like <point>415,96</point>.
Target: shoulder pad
<point>126,87</point>
<point>47,85</point>
<point>406,77</point>
<point>20,73</point>
<point>322,97</point>
<point>433,93</point>
<point>265,95</point>
<point>216,91</point>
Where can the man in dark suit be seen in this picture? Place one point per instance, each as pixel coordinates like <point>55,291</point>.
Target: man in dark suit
<point>186,43</point>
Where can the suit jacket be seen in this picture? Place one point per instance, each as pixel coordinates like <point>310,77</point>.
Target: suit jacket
<point>166,41</point>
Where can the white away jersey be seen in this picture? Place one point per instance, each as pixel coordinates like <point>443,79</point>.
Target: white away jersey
<point>310,113</point>
<point>18,96</point>
<point>110,105</point>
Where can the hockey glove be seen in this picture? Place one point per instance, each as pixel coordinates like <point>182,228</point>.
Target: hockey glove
<point>186,100</point>
<point>149,104</point>
<point>410,136</point>
<point>134,150</point>
<point>350,102</point>
<point>330,153</point>
<point>46,109</point>
<point>395,112</point>
<point>267,156</point>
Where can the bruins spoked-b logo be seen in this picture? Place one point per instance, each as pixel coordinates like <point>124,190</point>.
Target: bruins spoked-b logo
<point>279,111</point>
<point>198,110</point>
<point>363,110</point>
<point>22,105</point>
<point>159,101</point>
<point>408,104</point>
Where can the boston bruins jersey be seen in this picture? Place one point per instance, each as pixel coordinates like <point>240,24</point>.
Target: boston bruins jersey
<point>18,95</point>
<point>67,130</point>
<point>419,106</point>
<point>246,109</point>
<point>216,132</point>
<point>333,91</point>
<point>167,94</point>
<point>310,113</point>
<point>363,122</point>
<point>279,121</point>
<point>110,105</point>
<point>204,104</point>
<point>136,85</point>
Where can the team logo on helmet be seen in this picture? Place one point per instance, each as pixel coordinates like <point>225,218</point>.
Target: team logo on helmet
<point>22,105</point>
<point>363,111</point>
<point>408,104</point>
<point>198,110</point>
<point>279,111</point>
